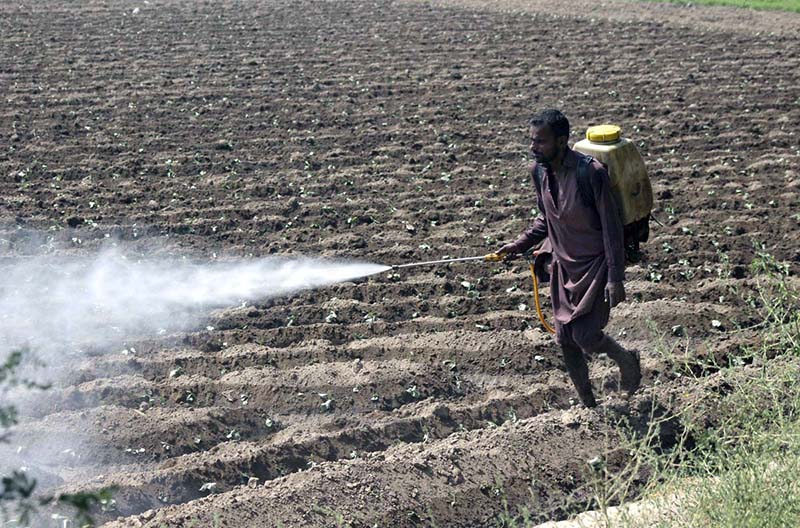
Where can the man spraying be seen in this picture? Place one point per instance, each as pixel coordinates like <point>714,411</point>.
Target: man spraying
<point>585,237</point>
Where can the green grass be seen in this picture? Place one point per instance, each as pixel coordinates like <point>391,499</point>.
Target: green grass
<point>775,5</point>
<point>736,459</point>
<point>742,467</point>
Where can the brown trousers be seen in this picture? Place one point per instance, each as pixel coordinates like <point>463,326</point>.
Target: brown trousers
<point>586,331</point>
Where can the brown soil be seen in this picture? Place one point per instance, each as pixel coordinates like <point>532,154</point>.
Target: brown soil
<point>389,132</point>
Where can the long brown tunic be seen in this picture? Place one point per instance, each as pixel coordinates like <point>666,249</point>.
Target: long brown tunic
<point>586,242</point>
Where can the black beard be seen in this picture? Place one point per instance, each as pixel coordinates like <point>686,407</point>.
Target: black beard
<point>548,161</point>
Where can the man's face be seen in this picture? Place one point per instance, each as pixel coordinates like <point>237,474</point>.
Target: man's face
<point>545,146</point>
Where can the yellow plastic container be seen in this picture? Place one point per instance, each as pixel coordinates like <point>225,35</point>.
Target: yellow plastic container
<point>629,180</point>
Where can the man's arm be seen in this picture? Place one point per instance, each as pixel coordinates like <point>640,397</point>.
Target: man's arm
<point>531,236</point>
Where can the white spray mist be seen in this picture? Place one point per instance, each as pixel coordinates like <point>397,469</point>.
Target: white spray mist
<point>58,306</point>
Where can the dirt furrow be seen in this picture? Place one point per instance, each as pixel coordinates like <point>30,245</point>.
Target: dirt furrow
<point>338,387</point>
<point>298,447</point>
<point>462,478</point>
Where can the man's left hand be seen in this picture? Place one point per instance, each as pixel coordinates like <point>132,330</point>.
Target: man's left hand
<point>615,293</point>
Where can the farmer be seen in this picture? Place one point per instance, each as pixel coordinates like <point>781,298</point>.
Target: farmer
<point>588,259</point>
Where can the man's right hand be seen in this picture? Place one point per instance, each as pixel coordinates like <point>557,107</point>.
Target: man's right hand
<point>508,249</point>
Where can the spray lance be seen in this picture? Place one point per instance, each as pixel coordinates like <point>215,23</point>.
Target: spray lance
<point>491,257</point>
<point>530,256</point>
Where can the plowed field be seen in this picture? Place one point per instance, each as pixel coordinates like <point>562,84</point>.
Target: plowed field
<point>387,132</point>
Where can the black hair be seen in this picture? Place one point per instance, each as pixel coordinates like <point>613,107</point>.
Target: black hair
<point>553,118</point>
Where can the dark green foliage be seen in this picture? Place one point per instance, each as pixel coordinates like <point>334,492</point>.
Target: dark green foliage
<point>17,497</point>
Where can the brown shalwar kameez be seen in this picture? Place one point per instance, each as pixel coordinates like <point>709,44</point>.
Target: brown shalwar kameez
<point>587,249</point>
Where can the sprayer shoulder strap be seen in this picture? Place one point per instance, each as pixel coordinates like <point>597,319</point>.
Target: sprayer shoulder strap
<point>538,174</point>
<point>582,174</point>
<point>585,188</point>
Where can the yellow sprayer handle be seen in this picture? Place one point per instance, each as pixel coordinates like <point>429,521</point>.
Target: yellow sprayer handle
<point>536,299</point>
<point>495,257</point>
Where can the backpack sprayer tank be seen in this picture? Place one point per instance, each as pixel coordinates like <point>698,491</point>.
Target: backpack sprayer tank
<point>629,181</point>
